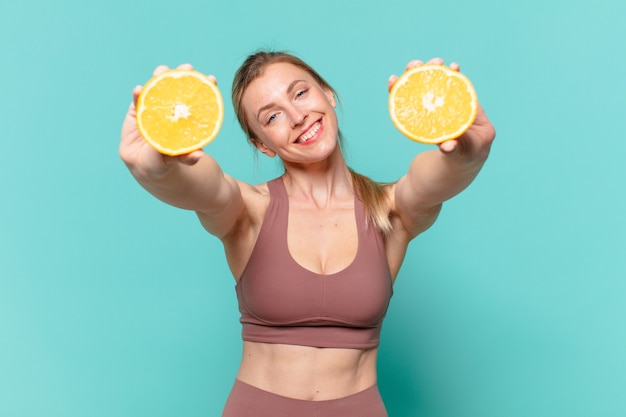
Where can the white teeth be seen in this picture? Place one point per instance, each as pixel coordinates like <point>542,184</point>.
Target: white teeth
<point>310,133</point>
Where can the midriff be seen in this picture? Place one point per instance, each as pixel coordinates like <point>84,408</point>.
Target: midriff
<point>307,373</point>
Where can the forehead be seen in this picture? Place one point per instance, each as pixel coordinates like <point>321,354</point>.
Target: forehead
<point>274,80</point>
<point>282,70</point>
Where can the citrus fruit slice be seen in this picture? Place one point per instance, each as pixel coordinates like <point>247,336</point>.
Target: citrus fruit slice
<point>179,111</point>
<point>432,103</point>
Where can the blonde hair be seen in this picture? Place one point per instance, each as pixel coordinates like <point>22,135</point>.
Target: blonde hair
<point>371,193</point>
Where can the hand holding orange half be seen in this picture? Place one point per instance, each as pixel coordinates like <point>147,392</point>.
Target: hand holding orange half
<point>179,111</point>
<point>432,103</point>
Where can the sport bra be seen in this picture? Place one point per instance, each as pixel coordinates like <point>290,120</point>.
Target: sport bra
<point>282,302</point>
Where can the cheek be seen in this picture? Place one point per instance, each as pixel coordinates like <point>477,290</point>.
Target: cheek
<point>254,131</point>
<point>332,123</point>
<point>270,137</point>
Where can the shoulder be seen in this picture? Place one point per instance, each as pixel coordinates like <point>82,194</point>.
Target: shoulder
<point>404,224</point>
<point>404,228</point>
<point>239,241</point>
<point>242,207</point>
<point>256,198</point>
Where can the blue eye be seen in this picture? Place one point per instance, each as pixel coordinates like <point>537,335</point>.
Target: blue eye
<point>272,118</point>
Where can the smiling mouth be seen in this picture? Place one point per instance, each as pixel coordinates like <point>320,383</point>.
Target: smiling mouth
<point>306,136</point>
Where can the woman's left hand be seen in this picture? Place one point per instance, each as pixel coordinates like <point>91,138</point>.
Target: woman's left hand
<point>476,141</point>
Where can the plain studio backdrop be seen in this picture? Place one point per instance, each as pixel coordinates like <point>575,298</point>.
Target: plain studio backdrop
<point>114,304</point>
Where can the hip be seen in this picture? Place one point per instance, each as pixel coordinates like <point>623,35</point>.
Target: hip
<point>246,400</point>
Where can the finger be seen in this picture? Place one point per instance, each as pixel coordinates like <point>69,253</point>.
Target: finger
<point>185,66</point>
<point>136,92</point>
<point>412,64</point>
<point>448,146</point>
<point>160,70</point>
<point>191,158</point>
<point>392,80</point>
<point>212,79</point>
<point>455,67</point>
<point>436,61</point>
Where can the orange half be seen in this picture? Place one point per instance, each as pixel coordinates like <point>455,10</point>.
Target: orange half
<point>179,111</point>
<point>432,104</point>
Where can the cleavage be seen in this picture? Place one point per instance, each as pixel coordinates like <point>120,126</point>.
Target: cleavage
<point>324,242</point>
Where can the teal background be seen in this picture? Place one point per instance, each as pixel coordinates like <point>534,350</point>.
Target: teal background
<point>114,304</point>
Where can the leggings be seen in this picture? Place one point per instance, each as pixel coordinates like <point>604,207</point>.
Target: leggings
<point>248,401</point>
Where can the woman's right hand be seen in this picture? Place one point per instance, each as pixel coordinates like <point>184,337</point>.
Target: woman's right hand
<point>141,158</point>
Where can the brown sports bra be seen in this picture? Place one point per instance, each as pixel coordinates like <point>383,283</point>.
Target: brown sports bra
<point>283,302</point>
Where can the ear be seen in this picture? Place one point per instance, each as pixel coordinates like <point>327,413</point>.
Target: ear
<point>263,148</point>
<point>331,97</point>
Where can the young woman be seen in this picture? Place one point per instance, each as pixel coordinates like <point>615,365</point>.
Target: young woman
<point>314,252</point>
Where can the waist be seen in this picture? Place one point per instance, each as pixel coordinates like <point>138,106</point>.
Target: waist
<point>307,373</point>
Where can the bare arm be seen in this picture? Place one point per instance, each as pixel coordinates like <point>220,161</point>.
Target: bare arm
<point>193,182</point>
<point>438,175</point>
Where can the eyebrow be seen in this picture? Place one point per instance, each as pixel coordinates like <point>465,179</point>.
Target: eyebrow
<point>290,87</point>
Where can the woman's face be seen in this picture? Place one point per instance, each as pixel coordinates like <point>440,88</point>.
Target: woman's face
<point>291,115</point>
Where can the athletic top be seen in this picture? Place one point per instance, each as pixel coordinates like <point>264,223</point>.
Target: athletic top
<point>282,302</point>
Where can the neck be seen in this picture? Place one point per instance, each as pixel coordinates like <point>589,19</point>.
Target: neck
<point>321,182</point>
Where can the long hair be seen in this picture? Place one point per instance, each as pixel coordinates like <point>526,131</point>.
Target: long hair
<point>371,193</point>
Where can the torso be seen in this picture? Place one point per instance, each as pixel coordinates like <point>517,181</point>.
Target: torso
<point>300,371</point>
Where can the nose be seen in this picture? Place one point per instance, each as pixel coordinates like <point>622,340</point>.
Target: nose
<point>297,116</point>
